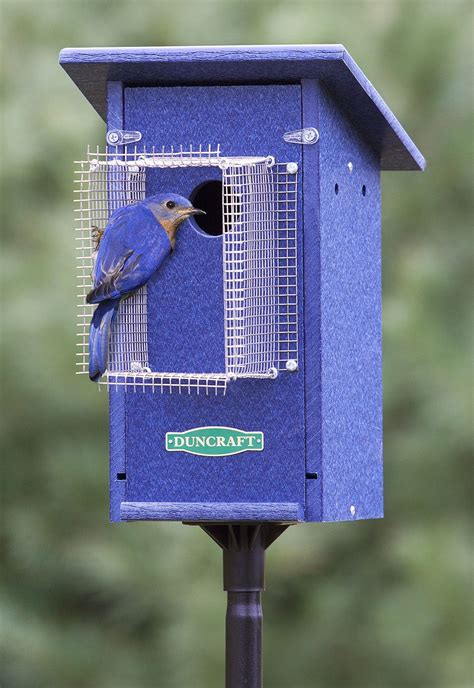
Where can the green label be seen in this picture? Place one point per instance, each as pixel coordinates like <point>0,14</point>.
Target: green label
<point>214,441</point>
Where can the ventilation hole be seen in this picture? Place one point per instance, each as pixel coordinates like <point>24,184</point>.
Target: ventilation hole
<point>208,197</point>
<point>121,476</point>
<point>336,189</point>
<point>311,476</point>
<point>364,190</point>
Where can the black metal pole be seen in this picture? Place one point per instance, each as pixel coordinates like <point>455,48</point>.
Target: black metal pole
<point>244,563</point>
<point>244,546</point>
<point>243,640</point>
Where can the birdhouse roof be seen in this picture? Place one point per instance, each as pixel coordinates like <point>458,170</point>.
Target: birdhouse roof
<point>332,65</point>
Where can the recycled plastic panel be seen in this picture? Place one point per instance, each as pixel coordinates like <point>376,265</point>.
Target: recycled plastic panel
<point>350,326</point>
<point>312,305</point>
<point>185,320</point>
<point>189,282</point>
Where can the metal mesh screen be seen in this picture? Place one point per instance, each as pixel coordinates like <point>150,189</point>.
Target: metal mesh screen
<point>102,188</point>
<point>104,182</point>
<point>260,269</point>
<point>259,260</point>
<point>169,383</point>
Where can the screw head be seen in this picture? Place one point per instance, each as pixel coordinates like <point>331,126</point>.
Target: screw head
<point>292,167</point>
<point>113,137</point>
<point>291,365</point>
<point>311,135</point>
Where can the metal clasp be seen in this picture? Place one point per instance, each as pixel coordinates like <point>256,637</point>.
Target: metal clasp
<point>309,135</point>
<point>117,137</point>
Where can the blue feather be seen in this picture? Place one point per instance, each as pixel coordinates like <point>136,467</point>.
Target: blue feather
<point>99,334</point>
<point>135,243</point>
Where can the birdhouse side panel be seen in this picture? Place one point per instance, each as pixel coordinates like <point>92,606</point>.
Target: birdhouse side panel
<point>351,333</point>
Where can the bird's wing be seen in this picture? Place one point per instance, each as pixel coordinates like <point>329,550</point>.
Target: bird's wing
<point>130,251</point>
<point>121,277</point>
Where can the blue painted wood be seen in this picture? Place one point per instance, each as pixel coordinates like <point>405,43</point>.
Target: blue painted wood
<point>117,465</point>
<point>185,315</point>
<point>115,105</point>
<point>351,342</point>
<point>312,310</point>
<point>117,456</point>
<point>212,511</point>
<point>90,68</point>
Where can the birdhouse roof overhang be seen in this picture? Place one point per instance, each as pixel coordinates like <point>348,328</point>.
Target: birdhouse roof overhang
<point>332,65</point>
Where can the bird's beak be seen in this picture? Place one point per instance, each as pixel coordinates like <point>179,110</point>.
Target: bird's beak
<point>188,212</point>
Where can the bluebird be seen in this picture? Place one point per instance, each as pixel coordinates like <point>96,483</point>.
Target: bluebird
<point>134,244</point>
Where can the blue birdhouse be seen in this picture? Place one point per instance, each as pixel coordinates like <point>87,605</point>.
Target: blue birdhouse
<point>245,375</point>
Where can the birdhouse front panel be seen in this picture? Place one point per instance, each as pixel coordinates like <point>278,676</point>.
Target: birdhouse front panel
<point>186,312</point>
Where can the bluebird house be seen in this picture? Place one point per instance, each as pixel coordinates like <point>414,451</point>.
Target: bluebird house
<point>245,377</point>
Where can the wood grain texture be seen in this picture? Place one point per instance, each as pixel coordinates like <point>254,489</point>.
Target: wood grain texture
<point>185,313</point>
<point>117,424</point>
<point>91,68</point>
<point>117,461</point>
<point>350,320</point>
<point>209,511</point>
<point>312,304</point>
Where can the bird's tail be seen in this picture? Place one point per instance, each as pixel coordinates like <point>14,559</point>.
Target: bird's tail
<point>103,317</point>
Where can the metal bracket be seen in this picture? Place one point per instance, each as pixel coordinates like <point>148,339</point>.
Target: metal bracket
<point>309,135</point>
<point>117,137</point>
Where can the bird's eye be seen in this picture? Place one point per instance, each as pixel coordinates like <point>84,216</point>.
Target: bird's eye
<point>170,204</point>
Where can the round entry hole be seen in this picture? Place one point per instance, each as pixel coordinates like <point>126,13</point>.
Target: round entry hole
<point>208,197</point>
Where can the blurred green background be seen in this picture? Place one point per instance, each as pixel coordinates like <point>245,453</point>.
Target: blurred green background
<point>367,605</point>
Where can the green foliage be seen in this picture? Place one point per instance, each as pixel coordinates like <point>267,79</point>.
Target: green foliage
<point>368,605</point>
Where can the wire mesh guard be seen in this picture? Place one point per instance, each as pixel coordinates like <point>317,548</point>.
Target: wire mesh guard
<point>260,269</point>
<point>259,264</point>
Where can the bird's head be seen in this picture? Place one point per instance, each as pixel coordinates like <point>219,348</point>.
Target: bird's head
<point>171,210</point>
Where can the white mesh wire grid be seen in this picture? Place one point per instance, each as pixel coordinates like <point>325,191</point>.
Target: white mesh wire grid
<point>259,258</point>
<point>260,269</point>
<point>169,383</point>
<point>100,190</point>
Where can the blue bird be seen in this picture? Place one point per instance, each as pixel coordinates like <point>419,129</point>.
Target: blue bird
<point>136,241</point>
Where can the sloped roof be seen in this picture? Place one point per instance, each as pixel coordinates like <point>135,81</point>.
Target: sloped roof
<point>91,68</point>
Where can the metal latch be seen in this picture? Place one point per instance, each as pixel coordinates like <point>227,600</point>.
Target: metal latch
<point>309,135</point>
<point>117,137</point>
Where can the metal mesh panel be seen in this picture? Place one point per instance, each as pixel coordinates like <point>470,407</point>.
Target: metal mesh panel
<point>104,182</point>
<point>168,383</point>
<point>259,259</point>
<point>128,346</point>
<point>100,190</point>
<point>260,269</point>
